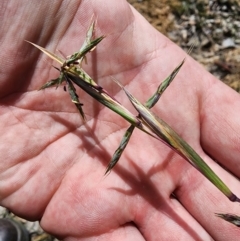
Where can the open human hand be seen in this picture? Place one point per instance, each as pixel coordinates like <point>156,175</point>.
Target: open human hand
<point>52,164</point>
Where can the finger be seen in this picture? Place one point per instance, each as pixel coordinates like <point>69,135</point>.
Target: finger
<point>155,214</point>
<point>126,232</point>
<point>202,200</point>
<point>170,222</point>
<point>221,126</point>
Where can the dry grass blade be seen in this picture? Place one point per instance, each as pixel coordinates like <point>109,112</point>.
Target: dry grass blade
<point>173,140</point>
<point>48,53</point>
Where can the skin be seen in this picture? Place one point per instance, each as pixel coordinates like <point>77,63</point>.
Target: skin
<point>52,164</point>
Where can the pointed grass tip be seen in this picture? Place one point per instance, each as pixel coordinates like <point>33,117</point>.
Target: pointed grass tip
<point>231,218</point>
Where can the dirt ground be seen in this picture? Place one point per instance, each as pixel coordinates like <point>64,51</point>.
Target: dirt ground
<point>212,26</point>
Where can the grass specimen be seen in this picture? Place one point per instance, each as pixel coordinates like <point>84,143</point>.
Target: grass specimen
<point>71,73</point>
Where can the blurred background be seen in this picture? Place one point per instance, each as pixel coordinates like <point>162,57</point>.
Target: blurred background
<point>212,26</point>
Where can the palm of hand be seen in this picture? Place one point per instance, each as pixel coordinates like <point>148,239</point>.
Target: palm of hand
<point>53,164</point>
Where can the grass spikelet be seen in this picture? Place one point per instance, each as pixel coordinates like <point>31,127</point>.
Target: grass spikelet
<point>149,104</point>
